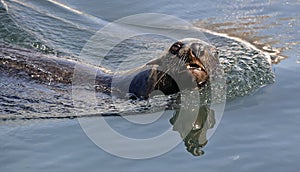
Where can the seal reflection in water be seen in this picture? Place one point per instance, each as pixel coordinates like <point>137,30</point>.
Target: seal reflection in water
<point>194,136</point>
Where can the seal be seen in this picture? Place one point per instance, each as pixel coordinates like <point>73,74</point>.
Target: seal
<point>186,62</point>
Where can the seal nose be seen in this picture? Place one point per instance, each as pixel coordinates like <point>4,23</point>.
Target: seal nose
<point>174,49</point>
<point>197,50</point>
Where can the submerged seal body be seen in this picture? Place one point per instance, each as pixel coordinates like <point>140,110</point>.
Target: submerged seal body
<point>186,64</point>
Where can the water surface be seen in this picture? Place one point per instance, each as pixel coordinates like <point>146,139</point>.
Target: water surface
<point>258,132</point>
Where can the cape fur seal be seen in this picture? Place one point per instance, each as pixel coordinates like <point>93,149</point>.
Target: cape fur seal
<point>186,64</point>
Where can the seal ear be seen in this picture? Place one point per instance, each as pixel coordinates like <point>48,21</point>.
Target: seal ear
<point>155,62</point>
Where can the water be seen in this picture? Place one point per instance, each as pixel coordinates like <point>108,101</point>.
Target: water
<point>258,132</point>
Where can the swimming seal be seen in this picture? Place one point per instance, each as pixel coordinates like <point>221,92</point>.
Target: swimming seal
<point>186,61</point>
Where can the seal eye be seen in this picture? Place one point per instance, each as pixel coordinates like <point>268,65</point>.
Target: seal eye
<point>176,47</point>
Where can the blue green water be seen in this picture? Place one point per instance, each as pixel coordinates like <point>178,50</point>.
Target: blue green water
<point>258,132</point>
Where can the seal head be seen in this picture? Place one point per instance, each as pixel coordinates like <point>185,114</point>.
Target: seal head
<point>199,57</point>
<point>187,64</point>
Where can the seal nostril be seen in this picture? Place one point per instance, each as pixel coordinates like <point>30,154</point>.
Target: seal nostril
<point>194,54</point>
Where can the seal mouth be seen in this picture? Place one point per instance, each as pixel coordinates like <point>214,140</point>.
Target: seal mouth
<point>193,66</point>
<point>198,71</point>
